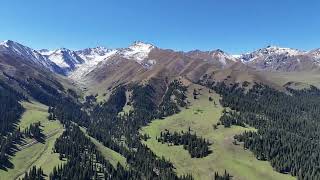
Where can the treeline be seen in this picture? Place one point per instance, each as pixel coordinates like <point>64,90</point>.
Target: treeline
<point>10,113</point>
<point>288,125</point>
<point>231,118</point>
<point>225,176</point>
<point>34,131</point>
<point>197,147</point>
<point>67,111</point>
<point>34,174</point>
<point>84,161</point>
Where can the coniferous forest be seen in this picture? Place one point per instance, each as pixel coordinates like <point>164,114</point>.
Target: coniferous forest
<point>10,112</point>
<point>113,131</point>
<point>34,174</point>
<point>197,147</point>
<point>288,125</point>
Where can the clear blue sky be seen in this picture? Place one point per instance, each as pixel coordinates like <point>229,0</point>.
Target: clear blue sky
<point>235,26</point>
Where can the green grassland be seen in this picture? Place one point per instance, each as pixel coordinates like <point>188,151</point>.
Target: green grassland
<point>302,79</point>
<point>109,154</point>
<point>36,112</point>
<point>39,154</point>
<point>200,116</point>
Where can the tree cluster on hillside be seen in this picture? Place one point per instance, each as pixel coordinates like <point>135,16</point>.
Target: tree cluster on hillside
<point>34,174</point>
<point>67,111</point>
<point>52,115</point>
<point>231,118</point>
<point>225,176</point>
<point>288,125</point>
<point>34,131</point>
<point>173,98</point>
<point>197,147</point>
<point>84,161</point>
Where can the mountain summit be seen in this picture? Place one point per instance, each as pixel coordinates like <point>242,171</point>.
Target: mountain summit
<point>16,49</point>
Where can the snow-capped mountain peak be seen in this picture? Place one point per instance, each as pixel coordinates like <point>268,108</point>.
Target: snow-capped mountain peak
<point>28,54</point>
<point>19,49</point>
<point>280,50</point>
<point>45,51</point>
<point>92,57</point>
<point>138,51</point>
<point>64,58</point>
<point>222,56</point>
<point>315,53</point>
<point>97,51</point>
<point>5,43</point>
<point>270,52</point>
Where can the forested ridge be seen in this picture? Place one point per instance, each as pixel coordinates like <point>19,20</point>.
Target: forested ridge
<point>83,160</point>
<point>49,93</point>
<point>288,125</point>
<point>118,132</point>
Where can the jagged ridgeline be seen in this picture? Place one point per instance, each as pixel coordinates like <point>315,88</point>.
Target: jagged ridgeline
<point>288,125</point>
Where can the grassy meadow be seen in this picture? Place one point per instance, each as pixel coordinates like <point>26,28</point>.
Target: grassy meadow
<point>38,154</point>
<point>200,117</point>
<point>109,154</point>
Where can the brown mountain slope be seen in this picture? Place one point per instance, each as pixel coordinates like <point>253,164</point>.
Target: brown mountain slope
<point>20,73</point>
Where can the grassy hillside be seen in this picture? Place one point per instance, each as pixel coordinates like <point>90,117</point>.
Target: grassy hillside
<point>302,79</point>
<point>200,116</point>
<point>39,154</point>
<point>109,154</point>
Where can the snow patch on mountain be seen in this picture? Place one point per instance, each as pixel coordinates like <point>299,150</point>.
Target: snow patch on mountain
<point>222,56</point>
<point>270,52</point>
<point>45,52</point>
<point>92,60</point>
<point>315,53</point>
<point>64,58</point>
<point>138,51</point>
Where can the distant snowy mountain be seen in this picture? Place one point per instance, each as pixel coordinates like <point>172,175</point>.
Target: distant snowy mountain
<point>217,57</point>
<point>78,64</point>
<point>31,55</point>
<point>315,54</point>
<point>92,57</point>
<point>270,53</point>
<point>64,58</point>
<point>138,51</point>
<point>274,58</point>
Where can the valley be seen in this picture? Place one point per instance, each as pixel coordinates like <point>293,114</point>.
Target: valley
<point>101,113</point>
<point>159,90</point>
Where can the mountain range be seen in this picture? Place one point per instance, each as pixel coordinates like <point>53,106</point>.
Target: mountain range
<point>104,68</point>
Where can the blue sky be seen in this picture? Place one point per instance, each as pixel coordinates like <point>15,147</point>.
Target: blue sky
<point>235,26</point>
